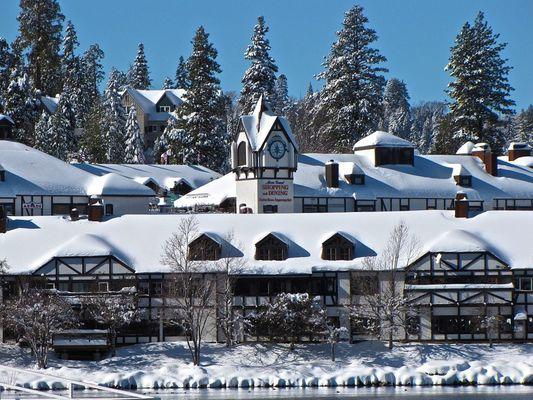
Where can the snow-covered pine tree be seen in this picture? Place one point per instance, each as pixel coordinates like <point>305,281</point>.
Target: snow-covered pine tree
<point>93,142</point>
<point>480,89</point>
<point>182,82</point>
<point>93,73</point>
<point>349,105</point>
<point>138,75</point>
<point>40,28</point>
<point>282,101</point>
<point>260,77</point>
<point>168,84</point>
<point>114,120</point>
<point>43,134</point>
<point>20,105</point>
<point>134,153</point>
<point>174,145</point>
<point>63,143</point>
<point>202,113</point>
<point>524,125</point>
<point>425,122</point>
<point>6,61</point>
<point>396,109</point>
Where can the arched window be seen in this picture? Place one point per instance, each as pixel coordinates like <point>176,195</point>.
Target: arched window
<point>337,247</point>
<point>204,248</point>
<point>241,154</point>
<point>271,248</point>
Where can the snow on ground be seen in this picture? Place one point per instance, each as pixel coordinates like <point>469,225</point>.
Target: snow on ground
<point>166,365</point>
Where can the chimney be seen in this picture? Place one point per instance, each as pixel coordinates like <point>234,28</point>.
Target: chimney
<point>96,211</point>
<point>461,205</point>
<point>517,150</point>
<point>3,219</point>
<point>332,174</point>
<point>490,159</point>
<point>74,214</point>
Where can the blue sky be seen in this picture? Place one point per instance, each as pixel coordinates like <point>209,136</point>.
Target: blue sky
<point>415,35</point>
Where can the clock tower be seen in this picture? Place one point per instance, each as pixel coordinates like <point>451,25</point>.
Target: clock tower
<point>264,156</point>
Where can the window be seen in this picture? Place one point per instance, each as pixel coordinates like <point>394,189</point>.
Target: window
<point>337,247</point>
<point>363,284</point>
<point>204,248</point>
<point>465,180</point>
<point>80,286</point>
<point>2,175</point>
<point>431,204</point>
<point>109,209</point>
<point>103,286</point>
<point>241,154</point>
<point>271,248</point>
<point>364,326</point>
<point>525,283</point>
<point>394,155</point>
<point>452,324</point>
<point>163,109</point>
<point>270,209</point>
<point>404,205</point>
<point>355,179</point>
<point>50,285</point>
<point>60,209</point>
<point>156,288</point>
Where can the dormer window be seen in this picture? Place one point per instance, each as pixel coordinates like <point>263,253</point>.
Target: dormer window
<point>241,154</point>
<point>163,108</point>
<point>394,155</point>
<point>271,248</point>
<point>204,248</point>
<point>337,247</point>
<point>2,175</point>
<point>355,179</point>
<point>465,181</point>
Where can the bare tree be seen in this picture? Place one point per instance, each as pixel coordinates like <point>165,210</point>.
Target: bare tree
<point>332,334</point>
<point>35,315</point>
<point>114,310</point>
<point>228,320</point>
<point>192,289</point>
<point>383,309</point>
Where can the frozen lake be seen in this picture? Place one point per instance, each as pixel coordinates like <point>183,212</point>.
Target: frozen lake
<point>432,393</point>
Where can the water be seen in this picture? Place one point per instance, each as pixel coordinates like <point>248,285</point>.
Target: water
<point>381,393</point>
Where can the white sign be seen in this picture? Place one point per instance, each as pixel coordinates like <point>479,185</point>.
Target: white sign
<point>32,205</point>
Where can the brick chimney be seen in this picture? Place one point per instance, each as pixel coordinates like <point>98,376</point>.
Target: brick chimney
<point>3,219</point>
<point>490,159</point>
<point>96,209</point>
<point>332,174</point>
<point>461,205</point>
<point>517,150</point>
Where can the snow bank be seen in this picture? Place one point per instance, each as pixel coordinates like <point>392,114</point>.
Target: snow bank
<point>165,365</point>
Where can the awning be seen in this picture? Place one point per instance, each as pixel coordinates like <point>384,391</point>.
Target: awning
<point>520,315</point>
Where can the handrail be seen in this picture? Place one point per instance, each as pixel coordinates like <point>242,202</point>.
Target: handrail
<point>71,383</point>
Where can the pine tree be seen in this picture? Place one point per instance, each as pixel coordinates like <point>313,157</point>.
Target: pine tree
<point>73,86</point>
<point>93,143</point>
<point>202,113</point>
<point>174,145</point>
<point>138,75</point>
<point>282,102</point>
<point>480,89</point>
<point>350,102</point>
<point>425,122</point>
<point>168,84</point>
<point>260,77</point>
<point>134,153</point>
<point>396,109</point>
<point>61,139</point>
<point>40,27</point>
<point>93,73</point>
<point>6,62</point>
<point>43,133</point>
<point>446,139</point>
<point>182,82</point>
<point>114,120</point>
<point>524,125</point>
<point>20,105</point>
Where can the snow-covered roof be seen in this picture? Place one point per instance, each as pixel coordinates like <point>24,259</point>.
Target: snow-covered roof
<point>50,103</point>
<point>6,118</point>
<point>258,125</point>
<point>381,139</point>
<point>466,148</point>
<point>431,176</point>
<point>526,161</point>
<point>147,100</point>
<point>460,170</point>
<point>164,176</point>
<point>137,240</point>
<point>32,172</point>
